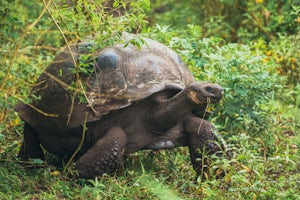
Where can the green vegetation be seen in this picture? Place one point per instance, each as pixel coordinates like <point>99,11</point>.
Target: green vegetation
<point>250,47</point>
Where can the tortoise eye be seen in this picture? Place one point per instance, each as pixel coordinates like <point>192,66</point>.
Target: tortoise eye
<point>209,89</point>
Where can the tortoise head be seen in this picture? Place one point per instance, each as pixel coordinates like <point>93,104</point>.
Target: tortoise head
<point>201,92</point>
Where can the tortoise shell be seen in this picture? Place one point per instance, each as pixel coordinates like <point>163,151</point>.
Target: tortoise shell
<point>115,77</point>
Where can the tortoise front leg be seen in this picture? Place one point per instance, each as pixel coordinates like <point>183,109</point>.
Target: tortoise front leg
<point>105,156</point>
<point>31,144</point>
<point>202,139</point>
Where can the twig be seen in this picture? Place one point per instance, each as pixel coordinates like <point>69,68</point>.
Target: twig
<point>36,109</point>
<point>42,112</point>
<point>79,146</point>
<point>20,41</point>
<point>62,33</point>
<point>208,103</point>
<point>28,164</point>
<point>75,66</point>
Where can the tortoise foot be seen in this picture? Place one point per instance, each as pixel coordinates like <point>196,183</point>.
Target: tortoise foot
<point>106,156</point>
<point>31,145</point>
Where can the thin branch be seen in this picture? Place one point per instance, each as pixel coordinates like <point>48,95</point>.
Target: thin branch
<point>78,147</point>
<point>42,112</point>
<point>75,66</point>
<point>62,33</point>
<point>21,40</point>
<point>208,103</point>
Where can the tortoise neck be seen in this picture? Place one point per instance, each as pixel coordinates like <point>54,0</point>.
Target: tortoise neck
<point>168,111</point>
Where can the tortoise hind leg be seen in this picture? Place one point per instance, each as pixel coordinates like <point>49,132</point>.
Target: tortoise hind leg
<point>105,156</point>
<point>31,145</point>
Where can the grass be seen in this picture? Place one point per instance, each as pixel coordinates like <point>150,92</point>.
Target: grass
<point>265,165</point>
<point>163,175</point>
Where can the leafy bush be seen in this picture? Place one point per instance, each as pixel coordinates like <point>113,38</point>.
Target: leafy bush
<point>232,20</point>
<point>259,115</point>
<point>285,53</point>
<point>249,82</point>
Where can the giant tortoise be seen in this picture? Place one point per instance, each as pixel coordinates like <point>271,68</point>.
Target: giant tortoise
<point>128,99</point>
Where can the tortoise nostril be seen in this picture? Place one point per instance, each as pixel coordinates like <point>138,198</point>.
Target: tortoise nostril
<point>222,91</point>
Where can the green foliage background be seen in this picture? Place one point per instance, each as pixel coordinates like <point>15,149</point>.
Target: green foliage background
<point>249,47</point>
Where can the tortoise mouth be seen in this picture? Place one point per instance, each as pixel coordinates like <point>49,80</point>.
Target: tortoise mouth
<point>203,99</point>
<point>214,99</point>
<point>209,100</point>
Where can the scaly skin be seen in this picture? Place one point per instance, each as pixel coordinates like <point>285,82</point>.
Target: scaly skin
<point>135,99</point>
<point>161,121</point>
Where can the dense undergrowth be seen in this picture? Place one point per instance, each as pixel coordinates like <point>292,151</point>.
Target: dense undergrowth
<point>251,48</point>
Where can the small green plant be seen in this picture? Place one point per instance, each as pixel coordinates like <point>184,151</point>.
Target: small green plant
<point>231,20</point>
<point>248,81</point>
<point>259,116</point>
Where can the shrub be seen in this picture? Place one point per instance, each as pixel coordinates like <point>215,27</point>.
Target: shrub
<point>249,82</point>
<point>232,20</point>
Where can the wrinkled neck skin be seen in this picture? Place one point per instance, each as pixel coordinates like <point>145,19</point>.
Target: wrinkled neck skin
<point>167,111</point>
